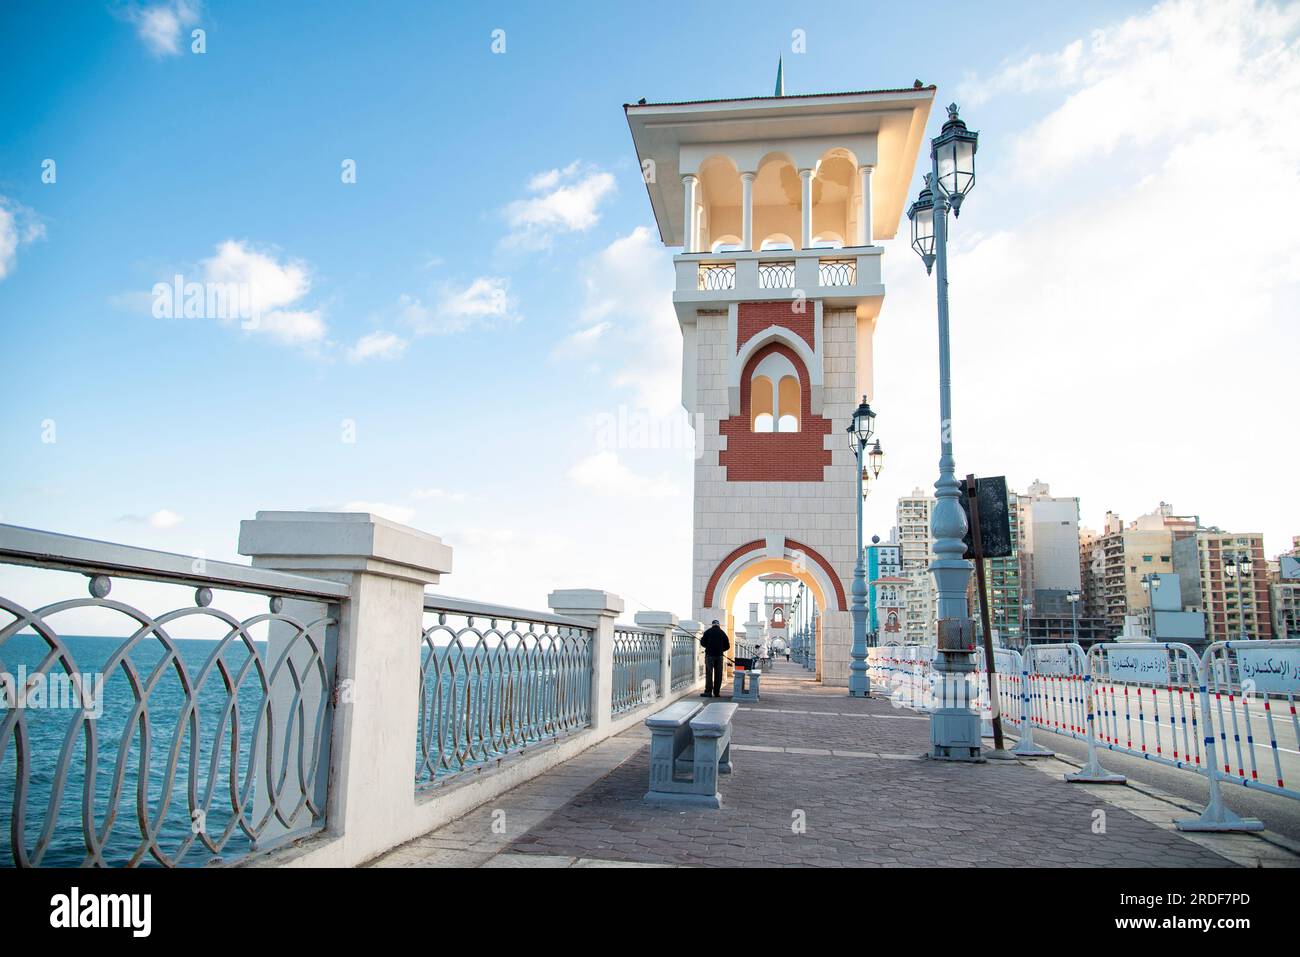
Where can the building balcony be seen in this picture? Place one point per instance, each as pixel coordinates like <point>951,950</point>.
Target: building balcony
<point>838,277</point>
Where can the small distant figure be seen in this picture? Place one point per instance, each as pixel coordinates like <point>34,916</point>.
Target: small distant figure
<point>716,643</point>
<point>787,654</point>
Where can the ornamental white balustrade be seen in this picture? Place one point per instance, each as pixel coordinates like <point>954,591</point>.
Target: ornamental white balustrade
<point>839,277</point>
<point>317,707</point>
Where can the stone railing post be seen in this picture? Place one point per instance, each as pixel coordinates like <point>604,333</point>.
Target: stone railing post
<point>600,609</point>
<point>385,566</point>
<point>697,661</point>
<point>664,622</point>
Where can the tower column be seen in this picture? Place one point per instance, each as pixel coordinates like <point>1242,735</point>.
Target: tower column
<point>864,212</point>
<point>747,211</point>
<point>806,207</point>
<point>690,223</point>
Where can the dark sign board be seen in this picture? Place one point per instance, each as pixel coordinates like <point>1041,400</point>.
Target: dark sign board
<point>995,519</point>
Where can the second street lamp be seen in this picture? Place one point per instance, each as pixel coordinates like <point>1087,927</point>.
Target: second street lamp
<point>860,430</point>
<point>954,728</point>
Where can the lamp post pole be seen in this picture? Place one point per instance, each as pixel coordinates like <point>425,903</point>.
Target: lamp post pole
<point>1073,599</point>
<point>954,727</point>
<point>860,431</point>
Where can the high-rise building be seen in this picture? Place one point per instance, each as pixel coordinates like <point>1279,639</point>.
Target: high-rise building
<point>914,542</point>
<point>1115,562</point>
<point>1233,594</point>
<point>1284,592</point>
<point>1048,533</point>
<point>884,562</point>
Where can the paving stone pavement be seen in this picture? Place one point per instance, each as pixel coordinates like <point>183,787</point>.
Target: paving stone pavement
<point>824,780</point>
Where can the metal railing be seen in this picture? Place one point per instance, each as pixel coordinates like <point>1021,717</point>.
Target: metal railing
<point>838,272</point>
<point>715,276</point>
<point>199,736</point>
<point>776,275</point>
<point>683,660</point>
<point>494,681</point>
<point>636,667</point>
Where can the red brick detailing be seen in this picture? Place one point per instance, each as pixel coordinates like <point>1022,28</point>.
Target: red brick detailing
<point>775,456</point>
<point>753,317</point>
<point>816,556</point>
<point>790,544</point>
<point>722,567</point>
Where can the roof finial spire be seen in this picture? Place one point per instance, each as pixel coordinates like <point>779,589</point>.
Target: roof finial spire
<point>780,78</point>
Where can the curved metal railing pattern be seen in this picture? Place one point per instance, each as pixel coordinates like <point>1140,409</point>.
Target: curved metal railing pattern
<point>494,681</point>
<point>248,733</point>
<point>838,272</point>
<point>777,275</point>
<point>636,667</point>
<point>714,276</point>
<point>683,661</point>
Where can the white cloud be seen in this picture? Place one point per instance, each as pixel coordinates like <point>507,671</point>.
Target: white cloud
<point>628,311</point>
<point>163,518</point>
<point>1131,338</point>
<point>569,202</point>
<point>377,345</point>
<point>604,474</point>
<point>273,286</point>
<point>18,227</point>
<point>164,26</point>
<point>486,300</point>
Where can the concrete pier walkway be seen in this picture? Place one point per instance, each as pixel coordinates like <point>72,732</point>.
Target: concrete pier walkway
<point>825,780</point>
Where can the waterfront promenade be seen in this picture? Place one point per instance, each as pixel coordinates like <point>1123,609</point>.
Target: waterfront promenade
<point>826,780</point>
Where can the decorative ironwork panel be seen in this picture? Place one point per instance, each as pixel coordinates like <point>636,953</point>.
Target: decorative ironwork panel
<point>636,667</point>
<point>778,275</point>
<point>164,748</point>
<point>494,682</point>
<point>683,660</point>
<point>717,276</point>
<point>838,272</point>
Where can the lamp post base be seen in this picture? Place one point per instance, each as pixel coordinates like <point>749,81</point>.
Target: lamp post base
<point>955,735</point>
<point>859,687</point>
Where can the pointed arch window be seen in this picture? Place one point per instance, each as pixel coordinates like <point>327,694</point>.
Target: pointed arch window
<point>775,396</point>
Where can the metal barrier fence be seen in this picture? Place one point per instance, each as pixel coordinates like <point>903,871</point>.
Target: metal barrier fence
<point>1229,714</point>
<point>199,735</point>
<point>494,681</point>
<point>1247,683</point>
<point>683,660</point>
<point>636,667</point>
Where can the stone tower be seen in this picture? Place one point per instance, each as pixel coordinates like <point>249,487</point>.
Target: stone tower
<point>777,203</point>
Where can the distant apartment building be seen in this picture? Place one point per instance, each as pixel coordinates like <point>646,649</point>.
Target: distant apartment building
<point>1234,595</point>
<point>1048,538</point>
<point>1284,592</point>
<point>884,574</point>
<point>1114,562</point>
<point>914,542</point>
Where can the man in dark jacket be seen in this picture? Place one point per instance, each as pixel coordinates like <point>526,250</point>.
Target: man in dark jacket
<point>716,643</point>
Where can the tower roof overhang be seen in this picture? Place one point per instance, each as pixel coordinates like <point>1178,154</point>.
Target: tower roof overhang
<point>894,119</point>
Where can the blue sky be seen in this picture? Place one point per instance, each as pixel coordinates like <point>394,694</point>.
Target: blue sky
<point>491,284</point>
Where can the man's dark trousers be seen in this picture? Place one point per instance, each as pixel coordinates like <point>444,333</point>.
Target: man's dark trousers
<point>713,674</point>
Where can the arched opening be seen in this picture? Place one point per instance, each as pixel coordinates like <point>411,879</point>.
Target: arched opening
<point>720,197</point>
<point>762,405</point>
<point>787,404</point>
<point>779,408</point>
<point>777,241</point>
<point>835,199</point>
<point>777,195</point>
<point>745,589</point>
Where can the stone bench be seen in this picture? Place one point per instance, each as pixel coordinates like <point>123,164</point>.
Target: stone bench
<point>682,730</point>
<point>744,685</point>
